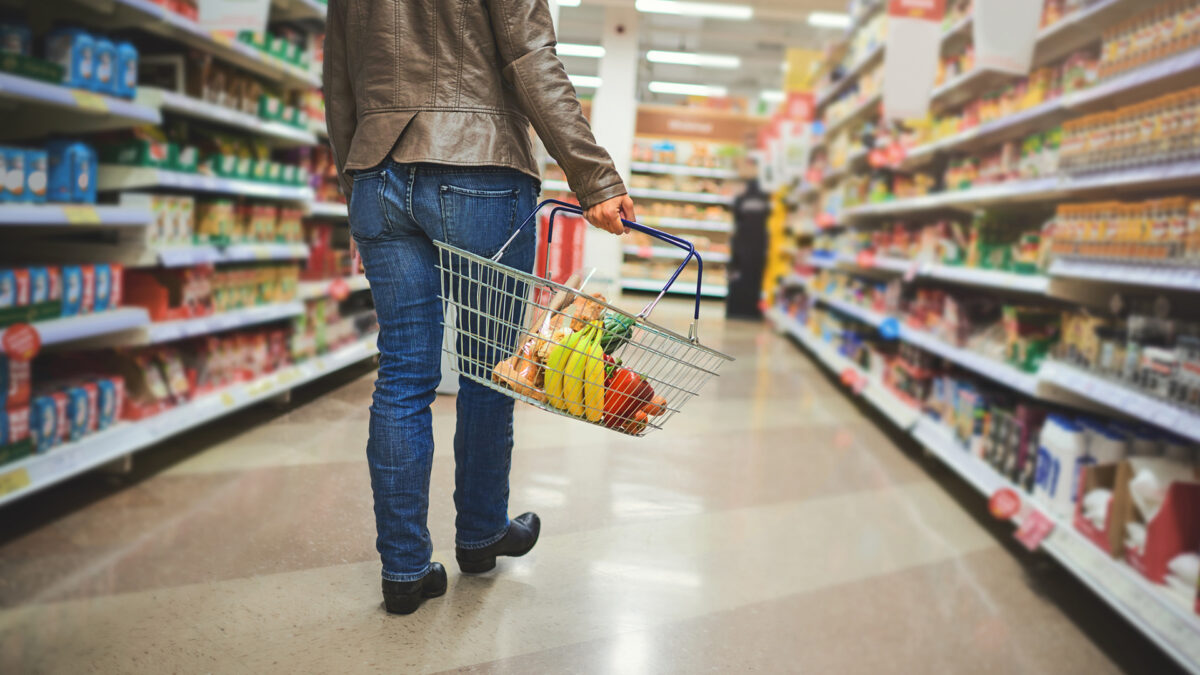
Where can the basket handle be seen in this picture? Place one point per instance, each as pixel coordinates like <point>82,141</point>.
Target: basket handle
<point>678,242</point>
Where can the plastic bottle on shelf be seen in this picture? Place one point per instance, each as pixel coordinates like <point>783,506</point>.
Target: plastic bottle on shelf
<point>1061,452</point>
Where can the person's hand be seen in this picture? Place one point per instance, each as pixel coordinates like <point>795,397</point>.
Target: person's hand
<point>607,214</point>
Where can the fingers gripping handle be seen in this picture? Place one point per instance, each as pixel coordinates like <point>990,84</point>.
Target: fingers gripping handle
<point>678,242</point>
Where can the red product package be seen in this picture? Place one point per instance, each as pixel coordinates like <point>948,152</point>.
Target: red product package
<point>116,292</point>
<point>93,405</point>
<point>88,301</point>
<point>18,379</point>
<point>60,413</point>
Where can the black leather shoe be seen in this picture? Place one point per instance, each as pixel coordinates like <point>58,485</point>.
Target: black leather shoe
<point>521,536</point>
<point>404,597</point>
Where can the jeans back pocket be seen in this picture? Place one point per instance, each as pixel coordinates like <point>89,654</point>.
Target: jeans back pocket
<point>479,221</point>
<point>368,206</point>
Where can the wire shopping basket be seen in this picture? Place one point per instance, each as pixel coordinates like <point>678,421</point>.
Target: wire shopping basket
<point>553,347</point>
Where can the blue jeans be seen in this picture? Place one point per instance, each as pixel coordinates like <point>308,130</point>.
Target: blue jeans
<point>397,211</point>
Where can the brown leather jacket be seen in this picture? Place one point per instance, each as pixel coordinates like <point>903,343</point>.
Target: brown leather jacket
<point>455,82</point>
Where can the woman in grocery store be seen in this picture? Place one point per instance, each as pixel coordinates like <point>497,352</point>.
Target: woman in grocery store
<point>428,107</point>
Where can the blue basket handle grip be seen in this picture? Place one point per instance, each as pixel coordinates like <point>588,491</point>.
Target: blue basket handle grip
<point>678,242</point>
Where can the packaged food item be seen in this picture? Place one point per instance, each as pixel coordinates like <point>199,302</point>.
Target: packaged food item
<point>111,392</point>
<point>87,281</point>
<point>127,70</point>
<point>78,409</point>
<point>14,425</point>
<point>15,381</point>
<point>105,80</point>
<point>103,284</point>
<point>43,423</point>
<point>75,50</point>
<point>15,38</point>
<point>62,419</point>
<point>14,287</point>
<point>37,166</point>
<point>72,172</point>
<point>12,174</point>
<point>43,285</point>
<point>72,290</point>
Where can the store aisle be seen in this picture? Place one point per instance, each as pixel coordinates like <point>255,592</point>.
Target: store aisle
<point>773,529</point>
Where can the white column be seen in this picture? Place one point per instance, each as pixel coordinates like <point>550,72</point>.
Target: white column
<point>614,117</point>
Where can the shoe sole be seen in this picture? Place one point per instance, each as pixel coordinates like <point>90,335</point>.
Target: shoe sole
<point>489,564</point>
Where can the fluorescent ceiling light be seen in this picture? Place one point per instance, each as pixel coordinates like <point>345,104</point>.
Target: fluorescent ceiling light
<point>686,59</point>
<point>829,20</point>
<point>709,9</point>
<point>568,3</point>
<point>586,51</point>
<point>589,81</point>
<point>773,96</point>
<point>687,89</point>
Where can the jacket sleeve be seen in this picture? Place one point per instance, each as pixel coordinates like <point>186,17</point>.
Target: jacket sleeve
<point>341,111</point>
<point>525,38</point>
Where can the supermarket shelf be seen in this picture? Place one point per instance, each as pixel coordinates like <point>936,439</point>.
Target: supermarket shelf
<point>999,371</point>
<point>186,256</point>
<point>73,215</point>
<point>555,186</point>
<point>154,18</point>
<point>1162,277</point>
<point>1041,189</point>
<point>1168,623</point>
<point>1165,621</point>
<point>115,177</point>
<point>84,326</point>
<point>669,253</point>
<point>43,107</point>
<point>328,210</point>
<point>682,170</point>
<point>872,58</point>
<point>902,415</point>
<point>168,331</point>
<point>672,195</point>
<point>967,87</point>
<point>795,280</point>
<point>40,471</point>
<point>278,132</point>
<point>958,31</point>
<point>969,276</point>
<point>313,290</point>
<point>687,224</point>
<point>678,288</point>
<point>862,112</point>
<point>1162,75</point>
<point>1122,399</point>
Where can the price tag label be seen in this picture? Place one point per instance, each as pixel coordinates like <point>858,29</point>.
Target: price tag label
<point>89,101</point>
<point>911,273</point>
<point>866,259</point>
<point>13,481</point>
<point>227,399</point>
<point>80,215</point>
<point>262,254</point>
<point>645,252</point>
<point>1004,504</point>
<point>1034,529</point>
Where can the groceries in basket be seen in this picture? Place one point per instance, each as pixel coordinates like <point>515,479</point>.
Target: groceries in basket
<point>567,361</point>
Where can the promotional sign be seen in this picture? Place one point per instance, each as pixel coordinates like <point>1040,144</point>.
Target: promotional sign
<point>799,107</point>
<point>234,16</point>
<point>1006,34</point>
<point>914,41</point>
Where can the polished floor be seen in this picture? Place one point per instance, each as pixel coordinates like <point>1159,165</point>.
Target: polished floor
<point>775,529</point>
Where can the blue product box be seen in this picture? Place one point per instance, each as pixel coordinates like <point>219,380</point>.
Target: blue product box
<point>41,285</point>
<point>77,413</point>
<point>15,38</point>
<point>103,280</point>
<point>72,172</point>
<point>75,50</point>
<point>37,165</point>
<point>43,423</point>
<point>72,290</point>
<point>107,390</point>
<point>12,174</point>
<point>127,70</point>
<point>105,81</point>
<point>10,292</point>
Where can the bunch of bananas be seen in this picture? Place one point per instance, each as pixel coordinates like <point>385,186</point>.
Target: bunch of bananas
<point>575,374</point>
